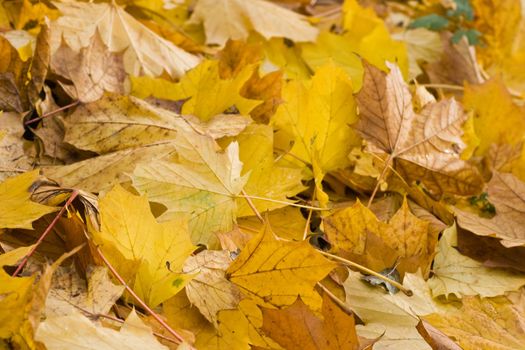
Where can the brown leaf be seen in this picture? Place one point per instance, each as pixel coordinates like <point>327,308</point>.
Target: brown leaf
<point>13,159</point>
<point>426,147</point>
<point>298,327</point>
<point>437,339</point>
<point>93,70</point>
<point>507,194</point>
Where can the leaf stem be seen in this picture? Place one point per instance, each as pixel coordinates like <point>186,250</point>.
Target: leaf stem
<point>336,300</point>
<point>368,271</point>
<point>49,114</point>
<point>443,86</point>
<point>252,206</point>
<point>282,202</point>
<point>379,179</point>
<point>73,195</point>
<point>138,299</point>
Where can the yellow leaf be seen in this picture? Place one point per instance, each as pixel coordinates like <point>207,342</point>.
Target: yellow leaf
<point>286,222</point>
<point>317,115</point>
<point>460,275</point>
<point>206,93</point>
<point>140,248</point>
<point>267,179</point>
<point>16,208</point>
<point>144,51</point>
<point>204,184</point>
<point>275,272</point>
<point>366,37</point>
<point>231,333</point>
<point>483,324</point>
<point>33,14</point>
<point>210,291</point>
<point>77,331</point>
<point>233,19</point>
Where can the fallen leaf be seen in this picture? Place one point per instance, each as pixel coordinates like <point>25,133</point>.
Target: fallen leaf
<point>16,208</point>
<point>206,93</point>
<point>90,78</point>
<point>233,19</point>
<point>266,178</point>
<point>275,272</point>
<point>144,52</point>
<point>13,158</point>
<point>507,194</point>
<point>424,147</point>
<point>208,179</point>
<point>462,276</point>
<point>297,326</point>
<point>210,291</point>
<point>63,332</point>
<point>140,248</point>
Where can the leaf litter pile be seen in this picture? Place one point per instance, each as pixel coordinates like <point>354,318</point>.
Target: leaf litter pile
<point>252,174</point>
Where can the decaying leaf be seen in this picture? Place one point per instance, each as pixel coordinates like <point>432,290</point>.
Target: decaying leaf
<point>425,147</point>
<point>144,51</point>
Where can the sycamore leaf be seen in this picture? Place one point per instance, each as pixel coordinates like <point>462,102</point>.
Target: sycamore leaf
<point>507,194</point>
<point>206,93</point>
<point>77,331</point>
<point>233,19</point>
<point>16,208</point>
<point>267,179</point>
<point>298,327</point>
<point>231,333</point>
<point>460,275</point>
<point>404,239</point>
<point>483,324</point>
<point>93,70</point>
<point>144,51</point>
<point>287,223</point>
<point>100,174</point>
<point>140,248</point>
<point>391,318</point>
<point>204,185</point>
<point>210,291</point>
<point>425,147</point>
<point>275,272</point>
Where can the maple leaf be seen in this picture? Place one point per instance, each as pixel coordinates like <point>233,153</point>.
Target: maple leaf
<point>233,19</point>
<point>507,194</point>
<point>207,178</point>
<point>424,147</point>
<point>483,323</point>
<point>404,240</point>
<point>298,326</point>
<point>13,158</point>
<point>63,332</point>
<point>210,291</point>
<point>460,275</point>
<point>16,208</point>
<point>90,78</point>
<point>274,272</point>
<point>140,248</point>
<point>267,179</point>
<point>206,93</point>
<point>144,52</point>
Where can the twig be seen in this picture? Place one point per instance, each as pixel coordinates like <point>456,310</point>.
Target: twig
<point>138,299</point>
<point>74,194</point>
<point>368,271</point>
<point>49,114</point>
<point>252,206</point>
<point>307,225</point>
<point>332,296</point>
<point>282,202</point>
<point>119,320</point>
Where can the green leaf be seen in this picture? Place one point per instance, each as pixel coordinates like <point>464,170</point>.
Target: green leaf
<point>472,36</point>
<point>431,22</point>
<point>463,8</point>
